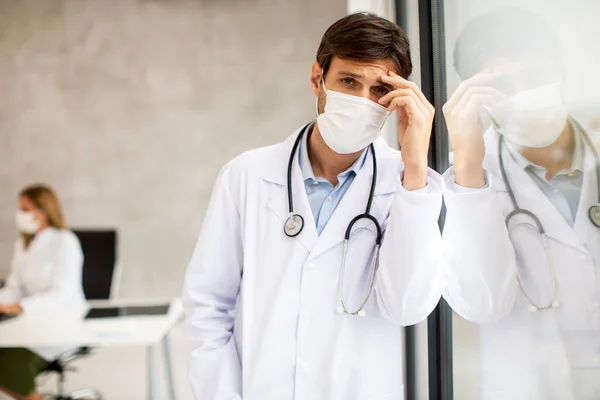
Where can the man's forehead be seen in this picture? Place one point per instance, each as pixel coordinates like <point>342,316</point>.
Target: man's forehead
<point>365,69</point>
<point>510,65</point>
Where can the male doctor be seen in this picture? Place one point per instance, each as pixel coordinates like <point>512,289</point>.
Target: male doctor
<point>261,305</point>
<point>537,296</point>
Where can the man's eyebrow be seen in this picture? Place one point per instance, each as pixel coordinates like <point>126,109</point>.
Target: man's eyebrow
<point>351,74</point>
<point>387,86</point>
<point>359,76</point>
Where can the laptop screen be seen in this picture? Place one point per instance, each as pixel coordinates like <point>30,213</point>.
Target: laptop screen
<point>113,312</point>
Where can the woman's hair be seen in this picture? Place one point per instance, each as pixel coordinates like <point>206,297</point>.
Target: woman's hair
<point>45,200</point>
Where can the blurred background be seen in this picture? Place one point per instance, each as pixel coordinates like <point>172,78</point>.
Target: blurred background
<point>130,108</point>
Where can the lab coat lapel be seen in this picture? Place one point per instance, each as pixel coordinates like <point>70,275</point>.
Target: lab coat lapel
<point>530,197</point>
<point>275,171</point>
<point>584,228</point>
<point>355,200</point>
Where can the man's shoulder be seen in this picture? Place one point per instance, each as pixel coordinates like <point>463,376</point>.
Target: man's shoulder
<point>268,162</point>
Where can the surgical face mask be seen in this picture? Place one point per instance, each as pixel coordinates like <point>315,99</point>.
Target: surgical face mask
<point>350,123</point>
<point>534,118</point>
<point>26,223</point>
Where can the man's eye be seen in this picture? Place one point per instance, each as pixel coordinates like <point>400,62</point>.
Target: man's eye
<point>347,81</point>
<point>382,90</point>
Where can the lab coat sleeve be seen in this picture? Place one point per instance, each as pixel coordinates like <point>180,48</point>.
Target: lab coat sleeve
<point>11,292</point>
<point>66,280</point>
<point>479,264</point>
<point>210,291</point>
<point>408,284</point>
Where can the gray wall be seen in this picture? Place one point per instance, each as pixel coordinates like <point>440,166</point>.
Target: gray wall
<point>130,107</point>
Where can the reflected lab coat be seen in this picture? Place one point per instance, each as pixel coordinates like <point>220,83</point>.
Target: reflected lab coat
<point>261,306</point>
<point>46,278</point>
<point>541,355</point>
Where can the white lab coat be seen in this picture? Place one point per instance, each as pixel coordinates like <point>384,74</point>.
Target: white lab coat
<point>262,306</point>
<point>551,354</point>
<point>46,278</point>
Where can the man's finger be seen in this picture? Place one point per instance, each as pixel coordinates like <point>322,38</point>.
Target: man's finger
<point>409,106</point>
<point>399,82</point>
<point>480,79</point>
<point>401,93</point>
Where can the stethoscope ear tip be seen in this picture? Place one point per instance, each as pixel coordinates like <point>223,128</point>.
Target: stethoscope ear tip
<point>340,310</point>
<point>362,313</point>
<point>555,304</point>
<point>532,309</point>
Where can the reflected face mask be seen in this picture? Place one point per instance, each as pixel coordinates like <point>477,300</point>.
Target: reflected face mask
<point>534,118</point>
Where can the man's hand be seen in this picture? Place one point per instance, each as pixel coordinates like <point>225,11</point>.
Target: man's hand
<point>11,309</point>
<point>462,114</point>
<point>415,118</point>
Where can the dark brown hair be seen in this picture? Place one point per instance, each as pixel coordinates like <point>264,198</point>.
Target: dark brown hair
<point>45,200</point>
<point>509,33</point>
<point>365,37</point>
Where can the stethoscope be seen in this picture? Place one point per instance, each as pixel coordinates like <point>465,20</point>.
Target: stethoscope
<point>295,223</point>
<point>593,213</point>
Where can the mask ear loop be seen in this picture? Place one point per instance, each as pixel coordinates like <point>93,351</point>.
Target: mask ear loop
<point>317,102</point>
<point>385,119</point>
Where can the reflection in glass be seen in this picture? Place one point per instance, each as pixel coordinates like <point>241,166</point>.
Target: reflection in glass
<point>541,162</point>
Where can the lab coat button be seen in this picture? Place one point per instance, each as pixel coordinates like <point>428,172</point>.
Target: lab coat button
<point>583,257</point>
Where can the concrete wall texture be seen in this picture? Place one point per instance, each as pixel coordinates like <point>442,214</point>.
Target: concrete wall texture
<point>129,108</point>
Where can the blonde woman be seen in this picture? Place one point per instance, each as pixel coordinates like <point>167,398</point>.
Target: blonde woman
<point>45,278</point>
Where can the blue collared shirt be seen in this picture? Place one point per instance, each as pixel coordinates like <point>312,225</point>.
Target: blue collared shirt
<point>563,189</point>
<point>323,197</point>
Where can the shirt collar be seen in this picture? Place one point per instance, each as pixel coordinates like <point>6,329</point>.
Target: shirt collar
<point>578,155</point>
<point>306,167</point>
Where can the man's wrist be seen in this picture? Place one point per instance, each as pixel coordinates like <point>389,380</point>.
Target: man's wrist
<point>415,176</point>
<point>469,176</point>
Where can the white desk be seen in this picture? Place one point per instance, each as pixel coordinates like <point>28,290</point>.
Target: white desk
<point>71,330</point>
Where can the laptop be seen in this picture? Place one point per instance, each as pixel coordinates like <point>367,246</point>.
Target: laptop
<point>127,311</point>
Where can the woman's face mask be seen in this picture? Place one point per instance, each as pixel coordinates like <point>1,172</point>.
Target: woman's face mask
<point>534,118</point>
<point>26,222</point>
<point>350,123</point>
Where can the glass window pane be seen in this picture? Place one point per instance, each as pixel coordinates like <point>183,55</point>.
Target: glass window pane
<point>523,94</point>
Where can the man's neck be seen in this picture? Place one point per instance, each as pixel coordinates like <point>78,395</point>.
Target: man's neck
<point>325,162</point>
<point>556,157</point>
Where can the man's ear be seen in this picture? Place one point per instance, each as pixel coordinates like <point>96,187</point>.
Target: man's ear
<point>315,78</point>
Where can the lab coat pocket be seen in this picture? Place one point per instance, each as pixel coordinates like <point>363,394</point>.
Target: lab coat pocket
<point>359,265</point>
<point>534,264</point>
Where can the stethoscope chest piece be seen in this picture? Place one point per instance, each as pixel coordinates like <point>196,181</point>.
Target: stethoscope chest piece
<point>595,215</point>
<point>293,225</point>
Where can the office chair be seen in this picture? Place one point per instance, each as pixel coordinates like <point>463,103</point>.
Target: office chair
<point>61,366</point>
<point>100,258</point>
